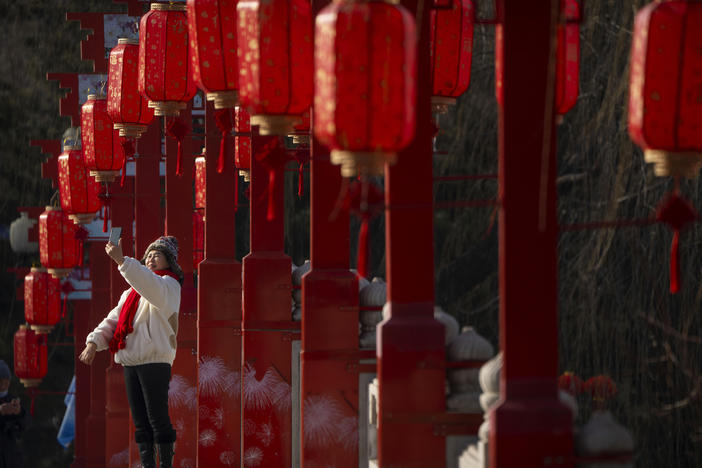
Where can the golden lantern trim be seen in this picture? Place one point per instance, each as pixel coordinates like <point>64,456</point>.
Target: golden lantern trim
<point>168,7</point>
<point>354,163</point>
<point>167,108</point>
<point>224,99</point>
<point>276,124</point>
<point>104,176</point>
<point>128,41</point>
<point>676,164</point>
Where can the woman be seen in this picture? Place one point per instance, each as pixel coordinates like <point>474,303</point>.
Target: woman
<point>141,333</point>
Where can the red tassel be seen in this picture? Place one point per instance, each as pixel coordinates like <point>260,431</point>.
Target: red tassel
<point>270,216</point>
<point>223,119</point>
<point>178,130</point>
<point>236,192</point>
<point>675,263</point>
<point>300,179</point>
<point>220,160</point>
<point>179,159</point>
<point>105,217</point>
<point>362,254</point>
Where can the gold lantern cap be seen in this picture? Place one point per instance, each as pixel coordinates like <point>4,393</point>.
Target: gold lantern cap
<point>354,163</point>
<point>128,41</point>
<point>676,164</point>
<point>168,6</point>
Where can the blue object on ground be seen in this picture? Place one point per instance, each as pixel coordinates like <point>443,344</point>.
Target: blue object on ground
<point>67,431</point>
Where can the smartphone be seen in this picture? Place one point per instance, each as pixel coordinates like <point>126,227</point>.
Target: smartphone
<point>115,234</point>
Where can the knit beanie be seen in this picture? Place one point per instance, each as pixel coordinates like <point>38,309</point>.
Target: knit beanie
<point>4,370</point>
<point>168,245</point>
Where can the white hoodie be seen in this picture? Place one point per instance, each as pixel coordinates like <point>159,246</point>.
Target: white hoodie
<point>155,323</point>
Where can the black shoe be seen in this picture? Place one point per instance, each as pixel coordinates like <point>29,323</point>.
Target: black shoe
<point>166,452</point>
<point>147,454</point>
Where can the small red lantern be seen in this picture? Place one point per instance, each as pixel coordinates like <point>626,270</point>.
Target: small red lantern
<point>31,356</point>
<point>129,111</point>
<point>275,62</point>
<point>98,137</point>
<point>59,249</point>
<point>42,300</point>
<point>200,186</point>
<point>79,192</point>
<point>365,60</point>
<point>451,48</point>
<point>665,86</point>
<point>212,30</point>
<point>242,142</point>
<point>164,75</point>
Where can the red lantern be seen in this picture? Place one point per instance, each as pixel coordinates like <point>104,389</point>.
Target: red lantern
<point>98,137</point>
<point>451,47</point>
<point>665,86</point>
<point>365,60</point>
<point>212,30</point>
<point>42,300</point>
<point>79,192</point>
<point>242,142</point>
<point>129,111</point>
<point>567,60</point>
<point>200,182</point>
<point>275,62</point>
<point>164,75</point>
<point>59,249</point>
<point>31,356</point>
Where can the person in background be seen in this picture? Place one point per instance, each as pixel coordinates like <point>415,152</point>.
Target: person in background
<point>141,333</point>
<point>13,421</point>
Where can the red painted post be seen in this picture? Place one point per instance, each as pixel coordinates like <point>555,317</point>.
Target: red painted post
<point>529,427</point>
<point>178,223</point>
<point>410,348</point>
<point>94,438</point>
<point>267,327</point>
<point>219,312</point>
<point>81,312</point>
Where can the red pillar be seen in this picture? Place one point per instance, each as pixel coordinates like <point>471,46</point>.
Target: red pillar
<point>410,348</point>
<point>179,223</point>
<point>267,328</point>
<point>81,313</point>
<point>529,427</point>
<point>219,312</point>
<point>94,438</point>
<point>329,358</point>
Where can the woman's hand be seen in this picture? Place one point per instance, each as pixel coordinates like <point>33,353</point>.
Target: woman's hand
<point>115,252</point>
<point>88,354</point>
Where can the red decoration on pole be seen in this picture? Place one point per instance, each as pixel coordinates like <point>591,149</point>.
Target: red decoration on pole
<point>98,136</point>
<point>364,200</point>
<point>79,192</point>
<point>451,48</point>
<point>677,213</point>
<point>601,388</point>
<point>200,187</point>
<point>275,67</point>
<point>223,120</point>
<point>58,248</point>
<point>105,202</point>
<point>242,143</point>
<point>571,383</point>
<point>42,300</point>
<point>178,129</point>
<point>212,30</point>
<point>31,356</point>
<point>365,59</point>
<point>129,110</point>
<point>164,75</point>
<point>665,86</point>
<point>568,58</point>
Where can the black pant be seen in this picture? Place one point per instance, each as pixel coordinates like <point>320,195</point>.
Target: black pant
<point>147,392</point>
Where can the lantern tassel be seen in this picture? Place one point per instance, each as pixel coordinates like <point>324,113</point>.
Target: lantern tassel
<point>177,129</point>
<point>675,263</point>
<point>105,200</point>
<point>236,192</point>
<point>220,160</point>
<point>179,160</point>
<point>270,216</point>
<point>124,174</point>
<point>223,119</point>
<point>362,254</point>
<point>81,235</point>
<point>300,179</point>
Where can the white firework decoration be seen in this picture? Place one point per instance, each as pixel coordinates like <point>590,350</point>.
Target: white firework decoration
<point>265,434</point>
<point>203,412</point>
<point>282,395</point>
<point>347,435</point>
<point>260,394</point>
<point>187,463</point>
<point>253,457</point>
<point>181,393</point>
<point>120,458</point>
<point>228,458</point>
<point>249,427</point>
<point>217,418</point>
<point>179,425</point>
<point>322,414</point>
<point>212,373</point>
<point>207,438</point>
<point>232,384</point>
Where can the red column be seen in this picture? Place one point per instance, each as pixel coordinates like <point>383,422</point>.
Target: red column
<point>219,312</point>
<point>81,313</point>
<point>410,348</point>
<point>179,223</point>
<point>94,437</point>
<point>329,359</point>
<point>267,328</point>
<point>529,427</point>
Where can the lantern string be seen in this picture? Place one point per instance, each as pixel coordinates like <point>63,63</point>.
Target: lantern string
<point>81,234</point>
<point>301,155</point>
<point>66,289</point>
<point>273,155</point>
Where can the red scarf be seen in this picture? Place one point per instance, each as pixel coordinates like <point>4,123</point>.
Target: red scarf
<point>126,315</point>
